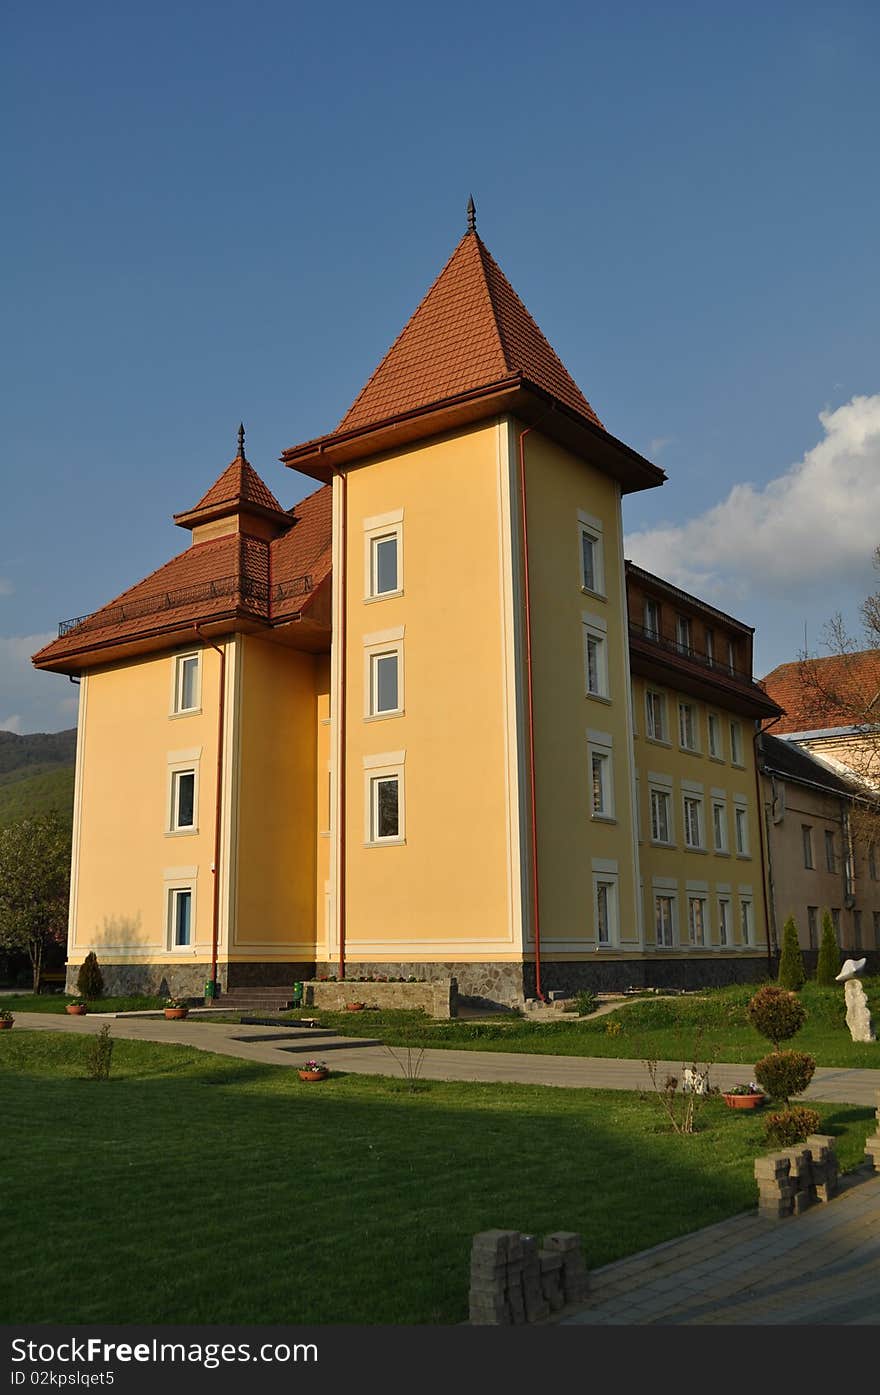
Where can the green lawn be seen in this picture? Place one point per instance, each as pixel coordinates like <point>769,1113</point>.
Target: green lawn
<point>196,1188</point>
<point>56,1002</point>
<point>665,1029</point>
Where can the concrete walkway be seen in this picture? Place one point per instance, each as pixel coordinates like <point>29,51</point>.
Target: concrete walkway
<point>289,1045</point>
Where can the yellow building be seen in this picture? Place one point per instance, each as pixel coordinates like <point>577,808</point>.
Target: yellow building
<point>400,729</point>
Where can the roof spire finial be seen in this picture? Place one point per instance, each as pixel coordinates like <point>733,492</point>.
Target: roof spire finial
<point>471,214</point>
<point>241,440</point>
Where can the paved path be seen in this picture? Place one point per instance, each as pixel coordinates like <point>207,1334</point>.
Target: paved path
<point>288,1045</point>
<point>818,1268</point>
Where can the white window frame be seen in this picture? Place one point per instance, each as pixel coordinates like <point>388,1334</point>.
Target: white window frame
<point>725,921</point>
<point>177,671</point>
<point>719,845</point>
<point>747,920</point>
<point>377,768</point>
<point>652,627</point>
<point>591,528</point>
<point>703,900</point>
<point>666,894</point>
<point>688,707</point>
<point>741,828</point>
<point>684,634</point>
<point>595,629</point>
<point>697,800</point>
<point>715,748</point>
<point>710,646</point>
<point>736,744</point>
<point>382,645</point>
<point>661,797</point>
<point>181,763</point>
<point>609,880</point>
<point>378,529</point>
<point>650,725</point>
<point>177,880</point>
<point>599,748</point>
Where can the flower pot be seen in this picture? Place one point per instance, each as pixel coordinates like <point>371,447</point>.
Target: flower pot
<point>313,1074</point>
<point>5,1024</point>
<point>355,1007</point>
<point>175,1014</point>
<point>76,1009</point>
<point>744,1101</point>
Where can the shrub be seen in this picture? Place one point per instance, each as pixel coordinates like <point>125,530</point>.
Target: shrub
<point>90,980</point>
<point>792,974</point>
<point>785,1073</point>
<point>828,963</point>
<point>99,1054</point>
<point>791,1126</point>
<point>585,1002</point>
<point>776,1013</point>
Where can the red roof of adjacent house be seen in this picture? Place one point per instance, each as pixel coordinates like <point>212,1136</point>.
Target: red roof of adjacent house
<point>236,577</point>
<point>470,330</point>
<point>823,694</point>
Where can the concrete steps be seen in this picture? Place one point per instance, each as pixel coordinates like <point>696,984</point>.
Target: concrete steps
<point>304,1039</point>
<point>256,999</point>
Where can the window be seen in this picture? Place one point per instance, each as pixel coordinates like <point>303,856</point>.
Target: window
<point>605,909</point>
<point>596,661</point>
<point>654,722</point>
<point>186,684</point>
<point>385,808</point>
<point>697,920</point>
<point>736,743</point>
<point>746,924</point>
<point>714,735</point>
<point>741,824</point>
<point>683,634</point>
<point>807,837</point>
<point>813,926</point>
<point>835,921</point>
<point>731,656</point>
<point>687,726</point>
<point>719,825</point>
<point>652,619</point>
<point>384,683</point>
<point>664,920</point>
<point>602,790</point>
<point>857,928</point>
<point>830,856</point>
<point>723,921</point>
<point>710,647</point>
<point>183,801</point>
<point>693,818</point>
<point>592,570</point>
<point>383,555</point>
<point>660,817</point>
<point>180,916</point>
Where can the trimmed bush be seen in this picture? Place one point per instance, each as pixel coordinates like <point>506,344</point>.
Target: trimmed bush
<point>828,963</point>
<point>99,1054</point>
<point>776,1013</point>
<point>791,1126</point>
<point>785,1073</point>
<point>90,980</point>
<point>792,974</point>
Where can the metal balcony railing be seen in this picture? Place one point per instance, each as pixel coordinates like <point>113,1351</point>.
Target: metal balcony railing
<point>689,652</point>
<point>241,589</point>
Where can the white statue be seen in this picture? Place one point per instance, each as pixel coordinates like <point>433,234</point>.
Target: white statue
<point>858,1015</point>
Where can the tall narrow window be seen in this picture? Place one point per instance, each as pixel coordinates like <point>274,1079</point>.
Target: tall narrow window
<point>835,921</point>
<point>830,855</point>
<point>384,568</point>
<point>813,926</point>
<point>745,921</point>
<point>807,837</point>
<point>693,832</point>
<point>741,822</point>
<point>592,578</point>
<point>687,726</point>
<point>683,634</point>
<point>385,807</point>
<point>600,778</point>
<point>736,743</point>
<point>664,920</point>
<point>723,921</point>
<point>714,735</point>
<point>857,928</point>
<point>731,656</point>
<point>384,683</point>
<point>183,800</point>
<point>186,683</point>
<point>696,920</point>
<point>710,647</point>
<point>596,663</point>
<point>660,821</point>
<point>654,723</point>
<point>652,619</point>
<point>605,907</point>
<point>872,861</point>
<point>180,916</point>
<point>719,826</point>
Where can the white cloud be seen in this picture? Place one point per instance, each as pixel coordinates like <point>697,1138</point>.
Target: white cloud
<point>657,444</point>
<point>817,521</point>
<point>11,723</point>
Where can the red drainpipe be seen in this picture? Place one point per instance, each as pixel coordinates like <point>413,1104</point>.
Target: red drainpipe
<point>536,912</point>
<point>215,930</point>
<point>343,584</point>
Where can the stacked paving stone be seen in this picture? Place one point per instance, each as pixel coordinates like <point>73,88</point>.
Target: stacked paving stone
<point>872,1145</point>
<point>513,1281</point>
<point>792,1180</point>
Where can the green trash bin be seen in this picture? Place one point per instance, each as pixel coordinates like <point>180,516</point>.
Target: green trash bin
<point>210,990</point>
<point>297,998</point>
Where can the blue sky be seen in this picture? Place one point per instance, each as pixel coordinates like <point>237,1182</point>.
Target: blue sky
<point>215,211</point>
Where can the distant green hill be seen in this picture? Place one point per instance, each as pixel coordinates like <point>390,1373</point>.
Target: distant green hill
<point>36,774</point>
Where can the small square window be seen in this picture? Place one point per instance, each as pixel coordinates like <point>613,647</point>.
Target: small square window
<point>186,683</point>
<point>183,800</point>
<point>384,683</point>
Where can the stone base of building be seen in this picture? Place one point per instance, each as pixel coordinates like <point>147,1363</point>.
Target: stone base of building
<point>188,979</point>
<point>492,985</point>
<point>811,956</point>
<point>617,975</point>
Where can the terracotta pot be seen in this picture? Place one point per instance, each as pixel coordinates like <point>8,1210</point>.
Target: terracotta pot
<point>76,1009</point>
<point>313,1074</point>
<point>744,1101</point>
<point>5,1024</point>
<point>175,1014</point>
<point>355,1007</point>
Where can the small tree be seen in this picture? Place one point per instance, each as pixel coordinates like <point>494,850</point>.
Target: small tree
<point>792,974</point>
<point>90,980</point>
<point>34,886</point>
<point>785,1073</point>
<point>99,1055</point>
<point>828,963</point>
<point>776,1013</point>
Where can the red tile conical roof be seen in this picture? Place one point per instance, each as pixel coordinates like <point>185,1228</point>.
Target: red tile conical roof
<point>239,487</point>
<point>470,330</point>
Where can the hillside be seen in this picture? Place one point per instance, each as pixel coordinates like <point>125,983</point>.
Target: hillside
<point>36,774</point>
